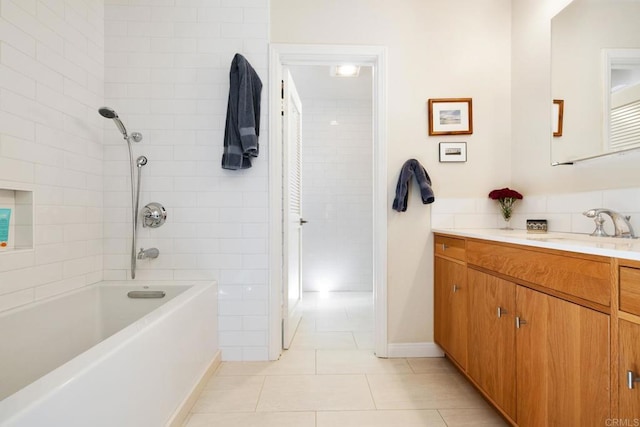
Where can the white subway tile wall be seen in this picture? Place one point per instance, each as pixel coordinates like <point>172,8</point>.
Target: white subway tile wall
<point>51,82</point>
<point>562,211</point>
<point>167,75</point>
<point>337,195</point>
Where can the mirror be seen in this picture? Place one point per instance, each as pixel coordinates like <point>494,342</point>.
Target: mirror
<point>595,71</point>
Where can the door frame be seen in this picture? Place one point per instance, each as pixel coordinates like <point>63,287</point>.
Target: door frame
<point>301,54</point>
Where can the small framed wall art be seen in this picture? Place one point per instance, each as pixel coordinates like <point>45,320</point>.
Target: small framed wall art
<point>558,112</point>
<point>453,152</point>
<point>450,116</point>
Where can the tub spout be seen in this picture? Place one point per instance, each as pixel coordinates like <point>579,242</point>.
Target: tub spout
<point>148,253</point>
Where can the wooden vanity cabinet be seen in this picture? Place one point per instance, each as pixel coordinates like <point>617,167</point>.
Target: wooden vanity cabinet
<point>629,344</point>
<point>629,397</point>
<point>563,364</point>
<point>492,345</point>
<point>451,308</point>
<point>537,350</point>
<point>630,290</point>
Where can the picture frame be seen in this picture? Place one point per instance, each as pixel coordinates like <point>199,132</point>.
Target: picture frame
<point>453,152</point>
<point>558,113</point>
<point>450,116</point>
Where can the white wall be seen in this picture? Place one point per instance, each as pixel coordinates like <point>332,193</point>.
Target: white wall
<point>531,119</point>
<point>167,76</point>
<point>51,82</point>
<point>435,50</point>
<point>337,195</point>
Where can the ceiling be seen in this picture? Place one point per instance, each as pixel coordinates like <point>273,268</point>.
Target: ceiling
<point>314,81</point>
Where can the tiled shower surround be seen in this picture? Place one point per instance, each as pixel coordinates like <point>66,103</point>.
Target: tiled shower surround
<point>51,82</point>
<point>167,75</point>
<point>337,195</point>
<point>163,65</point>
<point>562,211</point>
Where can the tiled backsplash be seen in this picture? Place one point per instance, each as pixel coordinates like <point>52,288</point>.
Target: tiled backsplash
<point>562,211</point>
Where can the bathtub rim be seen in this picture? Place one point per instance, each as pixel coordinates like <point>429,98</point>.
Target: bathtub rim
<point>86,288</point>
<point>29,396</point>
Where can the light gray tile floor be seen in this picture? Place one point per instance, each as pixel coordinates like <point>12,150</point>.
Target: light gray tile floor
<point>330,377</point>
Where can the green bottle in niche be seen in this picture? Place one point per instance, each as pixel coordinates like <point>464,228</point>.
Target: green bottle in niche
<point>5,216</point>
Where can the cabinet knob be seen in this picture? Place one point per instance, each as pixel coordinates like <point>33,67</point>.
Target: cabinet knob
<point>456,288</point>
<point>501,311</point>
<point>631,379</point>
<point>520,322</point>
<point>444,247</point>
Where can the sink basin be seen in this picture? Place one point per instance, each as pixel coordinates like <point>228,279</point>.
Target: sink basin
<point>543,237</point>
<point>550,239</point>
<point>571,237</point>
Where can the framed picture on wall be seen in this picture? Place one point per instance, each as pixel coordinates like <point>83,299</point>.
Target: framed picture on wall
<point>450,116</point>
<point>558,112</point>
<point>453,152</point>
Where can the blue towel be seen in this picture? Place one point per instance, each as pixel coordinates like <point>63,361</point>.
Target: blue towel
<point>411,168</point>
<point>243,115</point>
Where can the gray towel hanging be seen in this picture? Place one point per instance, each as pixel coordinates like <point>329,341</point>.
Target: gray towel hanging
<point>243,115</point>
<point>411,168</point>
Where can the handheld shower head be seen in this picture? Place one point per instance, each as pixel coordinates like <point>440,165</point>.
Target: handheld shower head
<point>109,113</point>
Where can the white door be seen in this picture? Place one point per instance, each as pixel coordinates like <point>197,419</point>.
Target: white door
<point>291,207</point>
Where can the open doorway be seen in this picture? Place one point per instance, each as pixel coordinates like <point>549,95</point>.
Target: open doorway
<point>374,59</point>
<point>336,193</point>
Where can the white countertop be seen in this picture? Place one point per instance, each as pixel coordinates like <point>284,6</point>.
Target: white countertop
<point>571,242</point>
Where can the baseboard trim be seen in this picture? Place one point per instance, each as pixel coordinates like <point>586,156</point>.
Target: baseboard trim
<point>180,415</point>
<point>415,349</point>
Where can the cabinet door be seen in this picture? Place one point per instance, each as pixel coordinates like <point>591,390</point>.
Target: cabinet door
<point>450,296</point>
<point>562,362</point>
<point>629,361</point>
<point>492,348</point>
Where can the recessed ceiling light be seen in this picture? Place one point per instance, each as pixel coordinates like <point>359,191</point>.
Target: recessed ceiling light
<point>345,70</point>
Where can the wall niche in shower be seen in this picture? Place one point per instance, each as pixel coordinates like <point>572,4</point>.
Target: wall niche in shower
<point>20,202</point>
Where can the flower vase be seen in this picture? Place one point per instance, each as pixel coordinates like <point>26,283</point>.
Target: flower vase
<point>506,198</point>
<point>507,223</point>
<point>506,209</point>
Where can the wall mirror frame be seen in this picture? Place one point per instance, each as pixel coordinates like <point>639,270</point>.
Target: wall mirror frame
<point>595,51</point>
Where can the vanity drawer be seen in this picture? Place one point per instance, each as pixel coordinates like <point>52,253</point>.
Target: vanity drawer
<point>586,277</point>
<point>450,247</point>
<point>630,290</point>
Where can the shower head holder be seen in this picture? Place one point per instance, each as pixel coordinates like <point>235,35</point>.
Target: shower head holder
<point>136,136</point>
<point>110,113</point>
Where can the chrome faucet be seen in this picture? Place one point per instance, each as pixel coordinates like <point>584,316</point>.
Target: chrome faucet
<point>621,223</point>
<point>148,253</point>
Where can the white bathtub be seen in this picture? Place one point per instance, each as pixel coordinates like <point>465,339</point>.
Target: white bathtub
<point>95,357</point>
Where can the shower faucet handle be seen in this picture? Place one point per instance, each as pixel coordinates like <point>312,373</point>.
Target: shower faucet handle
<point>154,215</point>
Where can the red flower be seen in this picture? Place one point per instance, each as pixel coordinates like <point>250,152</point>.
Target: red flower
<point>505,193</point>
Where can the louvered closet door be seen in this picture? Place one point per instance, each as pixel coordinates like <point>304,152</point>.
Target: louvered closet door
<point>625,126</point>
<point>292,162</point>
